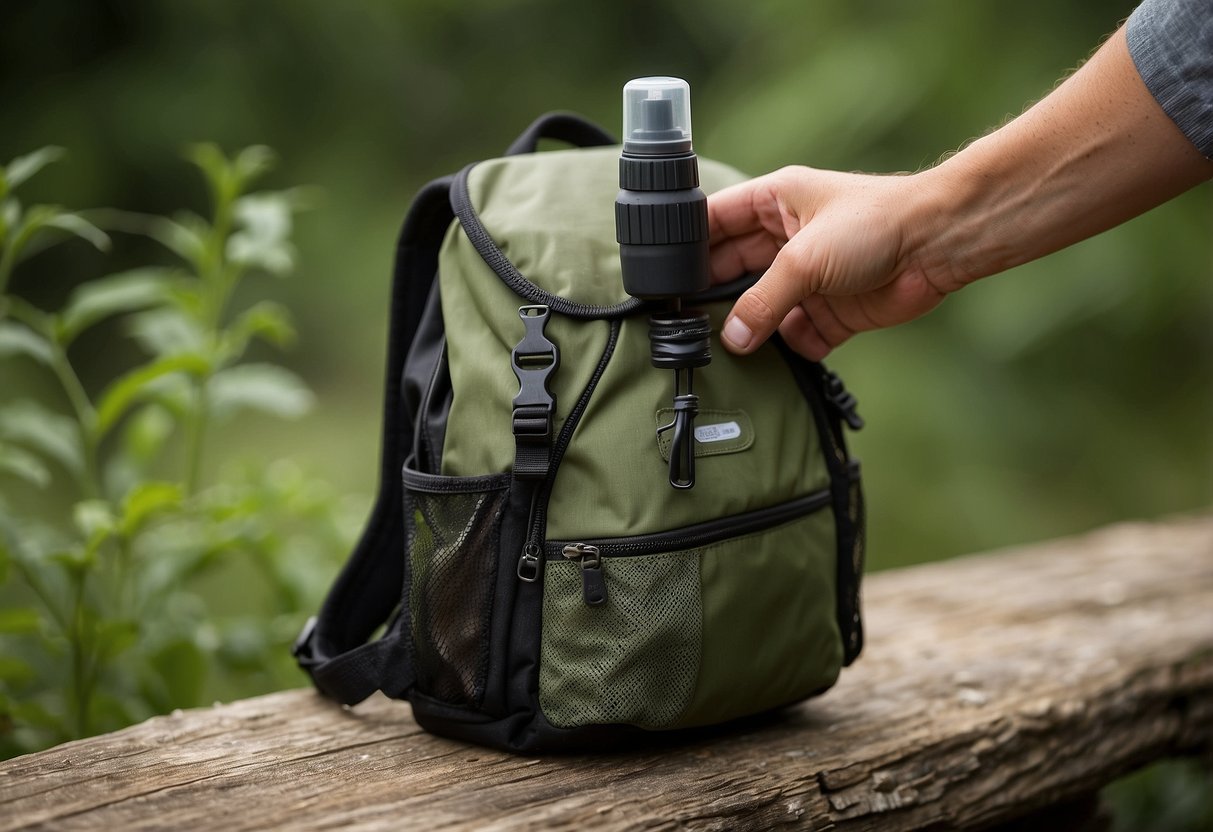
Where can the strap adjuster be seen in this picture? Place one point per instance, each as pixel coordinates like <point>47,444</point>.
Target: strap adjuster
<point>844,400</point>
<point>533,424</point>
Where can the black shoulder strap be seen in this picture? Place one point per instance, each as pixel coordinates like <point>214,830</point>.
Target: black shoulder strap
<point>333,647</point>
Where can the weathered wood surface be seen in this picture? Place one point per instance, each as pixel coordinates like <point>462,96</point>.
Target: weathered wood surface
<point>991,686</point>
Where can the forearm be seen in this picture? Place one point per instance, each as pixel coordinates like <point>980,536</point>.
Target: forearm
<point>1095,152</point>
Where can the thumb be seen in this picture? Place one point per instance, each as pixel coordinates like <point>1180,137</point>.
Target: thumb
<point>762,308</point>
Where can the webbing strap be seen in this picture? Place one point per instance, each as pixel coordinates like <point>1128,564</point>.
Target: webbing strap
<point>332,649</point>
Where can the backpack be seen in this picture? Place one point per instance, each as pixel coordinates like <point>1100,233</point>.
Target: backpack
<point>539,584</point>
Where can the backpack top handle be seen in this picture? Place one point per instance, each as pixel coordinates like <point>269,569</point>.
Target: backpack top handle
<point>565,127</point>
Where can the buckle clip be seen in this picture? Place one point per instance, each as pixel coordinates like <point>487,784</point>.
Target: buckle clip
<point>534,360</point>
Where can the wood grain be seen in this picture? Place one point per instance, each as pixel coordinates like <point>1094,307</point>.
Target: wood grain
<point>991,686</point>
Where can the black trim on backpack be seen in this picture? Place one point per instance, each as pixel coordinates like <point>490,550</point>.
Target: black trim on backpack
<point>818,386</point>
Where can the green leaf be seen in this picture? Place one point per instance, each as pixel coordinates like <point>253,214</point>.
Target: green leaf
<point>22,168</point>
<point>93,518</point>
<point>228,179</point>
<point>146,500</point>
<point>23,465</point>
<point>184,234</point>
<point>263,238</point>
<point>10,213</point>
<point>266,320</point>
<point>124,392</point>
<point>116,635</point>
<point>7,531</point>
<point>15,671</point>
<point>28,238</point>
<point>82,228</point>
<point>52,434</point>
<point>124,292</point>
<point>253,161</point>
<point>146,432</point>
<point>77,558</point>
<point>16,339</point>
<point>215,167</point>
<point>166,332</point>
<point>264,387</point>
<point>19,620</point>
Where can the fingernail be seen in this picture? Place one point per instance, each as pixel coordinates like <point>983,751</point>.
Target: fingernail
<point>737,333</point>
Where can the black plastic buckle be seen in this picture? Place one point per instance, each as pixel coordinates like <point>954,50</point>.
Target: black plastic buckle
<point>534,360</point>
<point>533,425</point>
<point>844,400</point>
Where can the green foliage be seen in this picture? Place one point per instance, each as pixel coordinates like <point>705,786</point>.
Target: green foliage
<point>107,624</point>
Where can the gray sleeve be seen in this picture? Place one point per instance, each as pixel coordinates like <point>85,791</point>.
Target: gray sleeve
<point>1171,42</point>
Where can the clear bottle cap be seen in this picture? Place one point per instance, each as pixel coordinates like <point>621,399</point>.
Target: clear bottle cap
<point>657,115</point>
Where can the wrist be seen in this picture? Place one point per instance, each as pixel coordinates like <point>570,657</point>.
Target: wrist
<point>940,222</point>
<point>983,198</point>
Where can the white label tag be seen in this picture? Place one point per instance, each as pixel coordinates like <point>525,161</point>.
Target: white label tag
<point>717,433</point>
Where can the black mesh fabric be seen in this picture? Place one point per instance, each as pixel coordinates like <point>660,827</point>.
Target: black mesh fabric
<point>852,635</point>
<point>452,558</point>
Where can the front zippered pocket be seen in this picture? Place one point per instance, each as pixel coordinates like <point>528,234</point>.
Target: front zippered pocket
<point>691,626</point>
<point>589,553</point>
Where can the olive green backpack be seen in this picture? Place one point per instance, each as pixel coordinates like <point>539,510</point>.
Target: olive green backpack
<point>542,585</point>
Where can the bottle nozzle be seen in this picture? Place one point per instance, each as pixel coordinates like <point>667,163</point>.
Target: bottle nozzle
<point>657,116</point>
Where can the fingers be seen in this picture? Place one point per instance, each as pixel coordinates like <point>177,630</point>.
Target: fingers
<point>747,226</point>
<point>732,211</point>
<point>745,254</point>
<point>802,335</point>
<point>759,311</point>
<point>815,327</point>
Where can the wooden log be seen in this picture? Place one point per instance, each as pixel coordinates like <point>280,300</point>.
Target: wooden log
<point>992,686</point>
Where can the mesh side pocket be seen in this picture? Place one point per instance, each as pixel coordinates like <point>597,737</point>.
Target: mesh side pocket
<point>633,660</point>
<point>850,570</point>
<point>453,531</point>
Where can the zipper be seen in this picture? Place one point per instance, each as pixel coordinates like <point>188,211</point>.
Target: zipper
<point>591,553</point>
<point>593,583</point>
<point>530,563</point>
<point>482,241</point>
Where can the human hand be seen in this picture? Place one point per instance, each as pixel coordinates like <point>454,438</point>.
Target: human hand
<point>840,251</point>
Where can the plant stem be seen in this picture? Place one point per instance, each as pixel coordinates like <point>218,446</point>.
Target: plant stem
<point>218,282</point>
<point>195,431</point>
<point>8,258</point>
<point>81,689</point>
<point>86,415</point>
<point>31,578</point>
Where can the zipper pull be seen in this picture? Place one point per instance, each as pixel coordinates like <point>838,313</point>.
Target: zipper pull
<point>593,581</point>
<point>530,563</point>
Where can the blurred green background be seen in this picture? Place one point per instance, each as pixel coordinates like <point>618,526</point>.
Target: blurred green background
<point>1066,394</point>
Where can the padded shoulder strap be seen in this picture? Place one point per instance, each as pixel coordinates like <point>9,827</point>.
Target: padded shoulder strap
<point>333,647</point>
